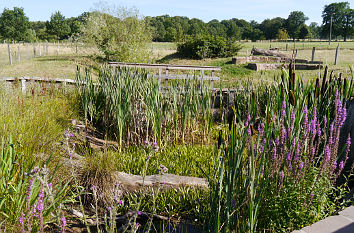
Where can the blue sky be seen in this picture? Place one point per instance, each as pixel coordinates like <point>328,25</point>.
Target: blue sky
<point>203,9</point>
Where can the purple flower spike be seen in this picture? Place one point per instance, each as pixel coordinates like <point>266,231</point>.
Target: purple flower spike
<point>139,212</point>
<point>120,202</point>
<point>341,165</point>
<point>301,165</point>
<point>63,224</point>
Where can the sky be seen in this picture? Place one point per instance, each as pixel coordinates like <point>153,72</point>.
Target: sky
<point>206,10</point>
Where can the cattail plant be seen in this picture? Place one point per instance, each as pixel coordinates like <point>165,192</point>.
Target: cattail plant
<point>132,107</point>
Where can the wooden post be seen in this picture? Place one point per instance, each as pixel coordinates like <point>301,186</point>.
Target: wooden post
<point>23,85</point>
<point>212,81</point>
<point>9,50</point>
<point>166,78</point>
<point>313,54</point>
<point>303,45</point>
<point>58,48</point>
<point>46,48</point>
<point>286,48</point>
<point>39,49</point>
<point>295,53</point>
<point>336,57</point>
<point>160,73</point>
<point>18,53</point>
<point>34,50</point>
<point>28,51</point>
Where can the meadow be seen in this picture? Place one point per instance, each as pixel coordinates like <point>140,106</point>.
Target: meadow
<point>274,158</point>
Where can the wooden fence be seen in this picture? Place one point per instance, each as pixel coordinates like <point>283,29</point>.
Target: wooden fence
<point>164,71</point>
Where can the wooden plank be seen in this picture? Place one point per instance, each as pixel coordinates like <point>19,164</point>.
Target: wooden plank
<point>183,77</point>
<point>166,66</point>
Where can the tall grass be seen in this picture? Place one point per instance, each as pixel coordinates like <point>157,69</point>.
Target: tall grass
<point>278,165</point>
<point>133,108</point>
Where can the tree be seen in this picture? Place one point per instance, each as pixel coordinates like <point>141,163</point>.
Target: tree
<point>304,32</point>
<point>270,27</point>
<point>282,34</point>
<point>293,23</point>
<point>14,24</point>
<point>119,34</point>
<point>58,26</point>
<point>342,19</point>
<point>315,30</point>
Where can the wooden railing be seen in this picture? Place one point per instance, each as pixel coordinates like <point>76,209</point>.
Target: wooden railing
<point>163,71</point>
<point>25,80</point>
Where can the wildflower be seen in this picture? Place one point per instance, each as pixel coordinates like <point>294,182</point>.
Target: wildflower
<point>137,225</point>
<point>341,165</point>
<point>163,169</point>
<point>109,209</point>
<point>139,212</point>
<point>120,202</point>
<point>301,165</point>
<point>71,135</point>
<point>146,142</point>
<point>70,155</point>
<point>63,224</point>
<point>248,120</point>
<point>94,188</point>
<point>21,221</point>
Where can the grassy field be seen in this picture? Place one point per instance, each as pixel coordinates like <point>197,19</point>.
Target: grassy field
<point>64,65</point>
<point>231,74</point>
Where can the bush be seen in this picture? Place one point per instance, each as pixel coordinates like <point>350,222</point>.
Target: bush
<point>207,46</point>
<point>119,34</point>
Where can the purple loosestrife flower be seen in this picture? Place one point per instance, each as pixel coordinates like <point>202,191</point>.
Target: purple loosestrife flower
<point>327,155</point>
<point>281,176</point>
<point>288,159</point>
<point>249,131</point>
<point>301,165</point>
<point>248,120</point>
<point>40,207</point>
<point>341,165</point>
<point>120,202</point>
<point>283,107</point>
<point>21,222</point>
<point>344,116</point>
<point>63,224</point>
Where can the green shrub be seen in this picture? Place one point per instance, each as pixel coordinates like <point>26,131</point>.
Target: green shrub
<point>207,46</point>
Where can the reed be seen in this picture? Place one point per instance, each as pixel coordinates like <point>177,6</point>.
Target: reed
<point>132,108</point>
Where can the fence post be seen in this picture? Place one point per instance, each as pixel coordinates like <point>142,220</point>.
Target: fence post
<point>313,54</point>
<point>34,50</point>
<point>286,48</point>
<point>28,52</point>
<point>160,72</point>
<point>39,49</point>
<point>336,57</point>
<point>23,85</point>
<point>166,78</point>
<point>9,50</point>
<point>18,53</point>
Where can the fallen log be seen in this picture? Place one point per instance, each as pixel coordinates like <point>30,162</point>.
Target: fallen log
<point>266,52</point>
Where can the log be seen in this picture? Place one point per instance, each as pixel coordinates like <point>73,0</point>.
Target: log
<point>273,53</point>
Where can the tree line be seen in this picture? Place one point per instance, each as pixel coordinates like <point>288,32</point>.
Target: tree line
<point>15,26</point>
